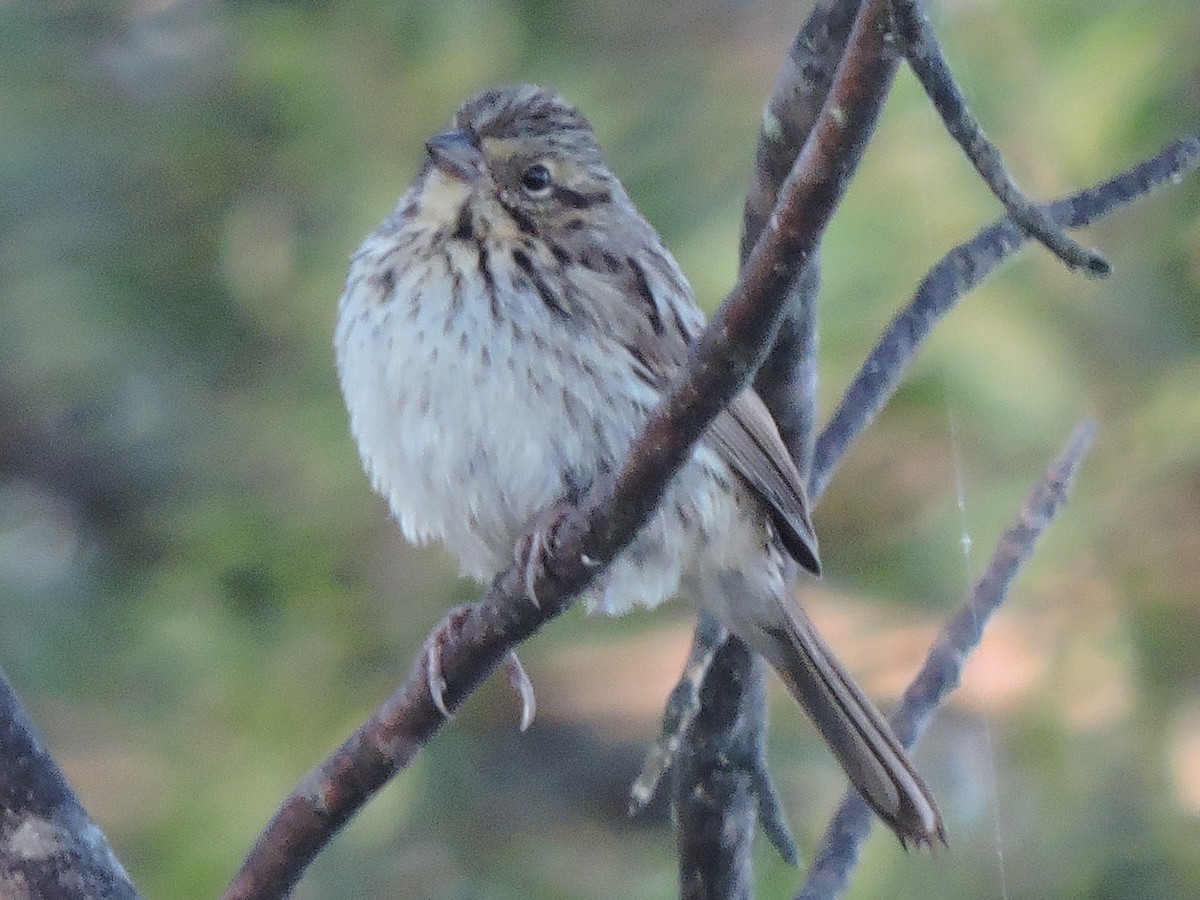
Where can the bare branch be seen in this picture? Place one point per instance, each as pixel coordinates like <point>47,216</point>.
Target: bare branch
<point>796,101</point>
<point>721,787</point>
<point>49,847</point>
<point>838,853</point>
<point>715,827</point>
<point>474,638</point>
<point>680,712</point>
<point>924,54</point>
<point>958,272</point>
<point>787,380</point>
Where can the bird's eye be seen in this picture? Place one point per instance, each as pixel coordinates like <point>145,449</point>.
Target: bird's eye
<point>536,180</point>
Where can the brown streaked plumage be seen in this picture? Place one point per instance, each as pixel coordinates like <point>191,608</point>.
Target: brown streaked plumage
<point>503,335</point>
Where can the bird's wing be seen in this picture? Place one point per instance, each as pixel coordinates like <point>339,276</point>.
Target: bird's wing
<point>744,434</point>
<point>746,437</point>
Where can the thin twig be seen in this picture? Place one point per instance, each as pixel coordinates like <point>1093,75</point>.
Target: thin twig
<point>920,47</point>
<point>838,852</point>
<point>959,271</point>
<point>680,712</point>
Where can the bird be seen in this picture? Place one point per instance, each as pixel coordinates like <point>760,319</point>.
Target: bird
<point>502,336</point>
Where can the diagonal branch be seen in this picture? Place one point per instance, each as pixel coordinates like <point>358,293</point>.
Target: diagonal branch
<point>49,846</point>
<point>794,107</point>
<point>787,380</point>
<point>924,55</point>
<point>838,853</point>
<point>958,272</point>
<point>737,340</point>
<point>478,636</point>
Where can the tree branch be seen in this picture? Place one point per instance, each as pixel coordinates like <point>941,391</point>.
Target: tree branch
<point>714,790</point>
<point>924,55</point>
<point>787,380</point>
<point>838,852</point>
<point>958,272</point>
<point>49,847</point>
<point>721,787</point>
<point>732,673</point>
<point>476,637</point>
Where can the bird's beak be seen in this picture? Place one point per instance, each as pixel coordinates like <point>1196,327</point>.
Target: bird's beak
<point>457,153</point>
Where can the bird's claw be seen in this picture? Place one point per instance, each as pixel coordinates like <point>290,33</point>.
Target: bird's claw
<point>518,679</point>
<point>534,549</point>
<point>515,672</point>
<point>445,632</point>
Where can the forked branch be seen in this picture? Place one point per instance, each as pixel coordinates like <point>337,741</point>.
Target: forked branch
<point>958,272</point>
<point>923,53</point>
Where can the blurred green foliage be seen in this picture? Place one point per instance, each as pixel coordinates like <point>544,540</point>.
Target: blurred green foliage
<point>199,596</point>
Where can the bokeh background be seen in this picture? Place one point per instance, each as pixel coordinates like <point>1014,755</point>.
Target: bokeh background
<point>200,597</point>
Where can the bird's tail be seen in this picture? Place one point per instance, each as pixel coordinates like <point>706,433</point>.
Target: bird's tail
<point>852,726</point>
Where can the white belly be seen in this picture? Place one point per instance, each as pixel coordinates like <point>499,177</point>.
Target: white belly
<point>470,424</point>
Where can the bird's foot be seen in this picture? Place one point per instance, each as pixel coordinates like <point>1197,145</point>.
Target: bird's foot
<point>448,632</point>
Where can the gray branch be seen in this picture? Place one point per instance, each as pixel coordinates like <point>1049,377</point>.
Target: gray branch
<point>49,847</point>
<point>838,853</point>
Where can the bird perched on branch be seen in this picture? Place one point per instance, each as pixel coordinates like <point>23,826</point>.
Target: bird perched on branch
<point>503,335</point>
